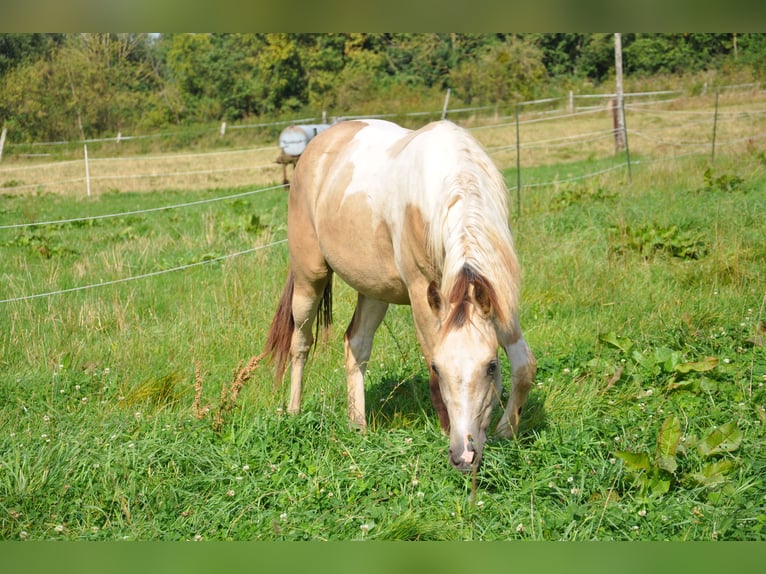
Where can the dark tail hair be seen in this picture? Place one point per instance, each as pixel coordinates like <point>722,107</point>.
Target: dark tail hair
<point>280,335</point>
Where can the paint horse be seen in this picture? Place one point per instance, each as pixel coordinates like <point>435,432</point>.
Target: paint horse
<point>408,217</point>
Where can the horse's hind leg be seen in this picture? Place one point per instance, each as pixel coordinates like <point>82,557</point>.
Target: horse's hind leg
<point>306,298</point>
<point>523,368</point>
<point>358,345</point>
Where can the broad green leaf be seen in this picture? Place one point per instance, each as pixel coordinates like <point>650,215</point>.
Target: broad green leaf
<point>666,463</point>
<point>691,386</point>
<point>652,484</point>
<point>659,485</point>
<point>695,385</point>
<point>725,438</point>
<point>708,385</point>
<point>667,443</point>
<point>620,342</point>
<point>662,354</point>
<point>646,362</point>
<point>714,472</point>
<point>706,364</point>
<point>634,460</point>
<point>722,467</point>
<point>672,362</point>
<point>666,357</point>
<point>726,490</point>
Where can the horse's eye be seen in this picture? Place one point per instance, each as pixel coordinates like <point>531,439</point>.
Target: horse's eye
<point>434,369</point>
<point>492,369</point>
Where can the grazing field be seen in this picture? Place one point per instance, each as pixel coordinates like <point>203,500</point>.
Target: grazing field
<point>129,410</point>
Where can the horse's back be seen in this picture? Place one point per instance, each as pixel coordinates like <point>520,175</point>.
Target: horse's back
<point>339,187</point>
<point>364,194</point>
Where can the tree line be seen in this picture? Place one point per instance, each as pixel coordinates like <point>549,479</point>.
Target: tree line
<point>69,86</point>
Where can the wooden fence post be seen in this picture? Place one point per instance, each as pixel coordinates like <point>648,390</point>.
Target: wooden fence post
<point>87,170</point>
<point>518,165</point>
<point>223,129</point>
<point>2,141</point>
<point>715,126</point>
<point>446,102</point>
<point>625,141</point>
<point>619,111</point>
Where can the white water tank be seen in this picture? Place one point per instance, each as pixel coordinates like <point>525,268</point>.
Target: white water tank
<point>294,139</point>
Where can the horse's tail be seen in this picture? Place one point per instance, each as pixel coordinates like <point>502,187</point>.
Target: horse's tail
<point>280,335</point>
<point>281,331</point>
<point>324,310</point>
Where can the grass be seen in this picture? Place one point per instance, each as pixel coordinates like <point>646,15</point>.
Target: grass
<point>643,302</point>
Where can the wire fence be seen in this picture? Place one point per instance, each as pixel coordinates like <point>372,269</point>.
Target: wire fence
<point>140,211</point>
<point>547,137</point>
<point>544,138</point>
<point>143,275</point>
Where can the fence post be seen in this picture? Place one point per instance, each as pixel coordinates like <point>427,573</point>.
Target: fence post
<point>87,170</point>
<point>223,129</point>
<point>2,141</point>
<point>570,107</point>
<point>715,126</point>
<point>620,127</point>
<point>518,165</point>
<point>625,141</point>
<point>446,102</point>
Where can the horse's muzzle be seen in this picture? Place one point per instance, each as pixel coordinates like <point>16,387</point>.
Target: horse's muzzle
<point>466,456</point>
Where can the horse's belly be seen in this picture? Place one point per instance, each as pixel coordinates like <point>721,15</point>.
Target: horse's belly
<point>358,247</point>
<point>375,284</point>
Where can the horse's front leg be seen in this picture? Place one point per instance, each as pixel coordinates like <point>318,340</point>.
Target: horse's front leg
<point>523,369</point>
<point>358,346</point>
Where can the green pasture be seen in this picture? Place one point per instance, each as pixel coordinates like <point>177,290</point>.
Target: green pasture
<point>643,302</point>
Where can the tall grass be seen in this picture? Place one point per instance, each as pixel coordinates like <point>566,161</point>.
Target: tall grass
<point>625,285</point>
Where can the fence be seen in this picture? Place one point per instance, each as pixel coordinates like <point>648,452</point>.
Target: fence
<point>558,133</point>
<point>546,131</point>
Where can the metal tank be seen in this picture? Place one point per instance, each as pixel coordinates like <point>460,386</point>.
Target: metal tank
<point>294,139</point>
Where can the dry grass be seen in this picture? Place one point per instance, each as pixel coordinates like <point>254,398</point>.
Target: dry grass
<point>657,130</point>
<point>192,171</point>
<point>229,393</point>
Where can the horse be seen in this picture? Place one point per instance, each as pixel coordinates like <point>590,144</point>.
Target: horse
<point>408,217</point>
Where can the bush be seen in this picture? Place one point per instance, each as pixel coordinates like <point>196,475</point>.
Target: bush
<point>503,72</point>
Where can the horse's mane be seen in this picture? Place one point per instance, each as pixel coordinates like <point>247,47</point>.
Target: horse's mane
<point>469,235</point>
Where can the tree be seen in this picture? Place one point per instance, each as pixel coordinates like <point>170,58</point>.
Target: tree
<point>504,72</point>
<point>110,79</point>
<point>232,76</point>
<point>674,53</point>
<point>17,49</point>
<point>322,59</point>
<point>597,56</point>
<point>90,85</point>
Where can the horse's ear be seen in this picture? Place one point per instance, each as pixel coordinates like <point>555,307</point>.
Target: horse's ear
<point>482,297</point>
<point>434,299</point>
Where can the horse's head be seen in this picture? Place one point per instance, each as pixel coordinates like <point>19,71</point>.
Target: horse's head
<point>465,360</point>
